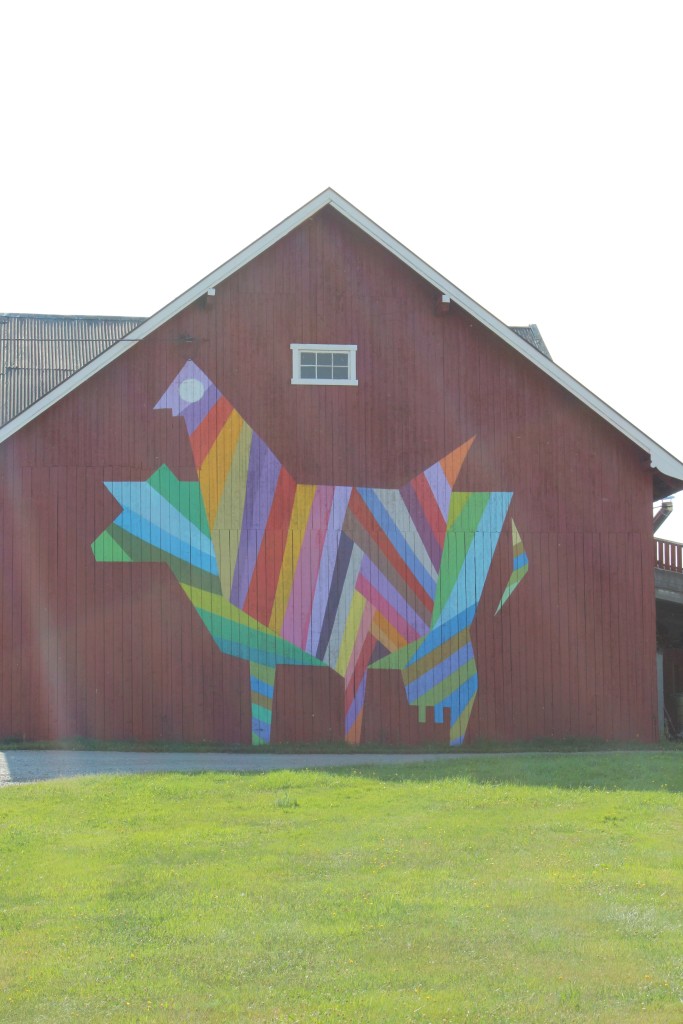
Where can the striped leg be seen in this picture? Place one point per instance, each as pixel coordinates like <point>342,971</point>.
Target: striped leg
<point>444,676</point>
<point>262,692</point>
<point>355,680</point>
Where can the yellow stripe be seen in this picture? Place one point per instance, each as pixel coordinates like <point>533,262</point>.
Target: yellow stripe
<point>517,545</point>
<point>216,465</point>
<point>358,603</point>
<point>227,527</point>
<point>301,510</point>
<point>459,726</point>
<point>206,601</point>
<point>231,506</point>
<point>385,633</point>
<point>427,662</point>
<point>458,501</point>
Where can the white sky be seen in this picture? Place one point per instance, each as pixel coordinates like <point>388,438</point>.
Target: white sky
<point>529,151</point>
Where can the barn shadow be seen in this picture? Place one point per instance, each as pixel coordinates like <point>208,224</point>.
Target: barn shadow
<point>639,771</point>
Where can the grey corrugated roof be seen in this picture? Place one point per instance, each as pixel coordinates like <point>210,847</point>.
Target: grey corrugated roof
<point>38,352</point>
<point>533,336</point>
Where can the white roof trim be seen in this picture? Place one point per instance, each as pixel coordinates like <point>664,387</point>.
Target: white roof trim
<point>660,458</point>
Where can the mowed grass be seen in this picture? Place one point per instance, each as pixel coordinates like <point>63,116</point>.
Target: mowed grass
<point>526,888</point>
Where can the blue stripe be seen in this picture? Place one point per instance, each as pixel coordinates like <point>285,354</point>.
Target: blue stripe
<point>265,689</point>
<point>260,730</point>
<point>357,705</point>
<point>475,568</point>
<point>458,700</point>
<point>261,714</point>
<point>152,534</point>
<point>398,539</point>
<point>520,562</point>
<point>440,634</point>
<point>144,501</point>
<point>438,673</point>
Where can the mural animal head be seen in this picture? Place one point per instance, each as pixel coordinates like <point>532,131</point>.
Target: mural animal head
<point>287,573</point>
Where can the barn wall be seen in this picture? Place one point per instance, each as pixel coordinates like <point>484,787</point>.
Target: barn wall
<point>116,651</point>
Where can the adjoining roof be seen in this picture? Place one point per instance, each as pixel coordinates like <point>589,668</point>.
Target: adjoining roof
<point>661,460</point>
<point>38,353</point>
<point>533,336</point>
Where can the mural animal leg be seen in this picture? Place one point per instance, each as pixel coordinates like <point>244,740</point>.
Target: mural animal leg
<point>262,678</point>
<point>444,676</point>
<point>355,680</point>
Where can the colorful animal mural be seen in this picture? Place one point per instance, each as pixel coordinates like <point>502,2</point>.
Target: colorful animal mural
<point>288,573</point>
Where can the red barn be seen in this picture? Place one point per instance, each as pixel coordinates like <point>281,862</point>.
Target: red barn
<point>325,494</point>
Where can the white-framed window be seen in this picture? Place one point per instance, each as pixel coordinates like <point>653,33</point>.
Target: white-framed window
<point>324,364</point>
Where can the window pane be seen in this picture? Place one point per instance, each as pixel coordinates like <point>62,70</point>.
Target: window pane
<point>340,359</point>
<point>325,372</point>
<point>324,359</point>
<point>341,373</point>
<point>308,372</point>
<point>308,358</point>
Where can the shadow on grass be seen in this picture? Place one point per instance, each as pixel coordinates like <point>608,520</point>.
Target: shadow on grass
<point>644,771</point>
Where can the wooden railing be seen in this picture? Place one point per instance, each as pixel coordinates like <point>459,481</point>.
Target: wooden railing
<point>668,555</point>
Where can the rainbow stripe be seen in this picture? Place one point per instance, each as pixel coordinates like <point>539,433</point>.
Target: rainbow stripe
<point>287,573</point>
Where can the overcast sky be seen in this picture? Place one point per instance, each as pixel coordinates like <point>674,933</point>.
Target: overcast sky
<point>529,151</point>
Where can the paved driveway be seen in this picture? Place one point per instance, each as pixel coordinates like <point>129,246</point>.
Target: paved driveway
<point>36,765</point>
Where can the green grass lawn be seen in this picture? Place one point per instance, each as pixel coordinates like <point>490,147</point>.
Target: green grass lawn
<point>496,889</point>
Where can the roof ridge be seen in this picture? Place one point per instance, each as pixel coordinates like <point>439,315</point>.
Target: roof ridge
<point>660,459</point>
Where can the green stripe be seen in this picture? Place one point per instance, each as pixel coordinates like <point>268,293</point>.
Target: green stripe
<point>105,549</point>
<point>258,645</point>
<point>514,581</point>
<point>263,714</point>
<point>448,685</point>
<point>140,551</point>
<point>184,495</point>
<point>398,658</point>
<point>464,518</point>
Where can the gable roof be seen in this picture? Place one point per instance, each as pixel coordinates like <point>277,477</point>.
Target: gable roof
<point>665,464</point>
<point>38,353</point>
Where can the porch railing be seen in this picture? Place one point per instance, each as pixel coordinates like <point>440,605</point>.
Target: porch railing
<point>668,555</point>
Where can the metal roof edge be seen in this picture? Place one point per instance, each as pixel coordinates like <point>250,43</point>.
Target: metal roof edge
<point>660,459</point>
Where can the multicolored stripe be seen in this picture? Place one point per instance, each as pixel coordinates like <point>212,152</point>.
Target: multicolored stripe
<point>287,573</point>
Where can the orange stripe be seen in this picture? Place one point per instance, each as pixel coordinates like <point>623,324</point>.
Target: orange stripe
<point>263,586</point>
<point>203,438</point>
<point>383,631</point>
<point>362,513</point>
<point>428,504</point>
<point>452,463</point>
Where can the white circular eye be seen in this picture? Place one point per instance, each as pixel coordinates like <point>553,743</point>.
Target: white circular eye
<point>191,390</point>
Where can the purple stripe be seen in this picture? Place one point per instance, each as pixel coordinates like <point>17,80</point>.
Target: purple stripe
<point>357,706</point>
<point>421,525</point>
<point>193,413</point>
<point>341,567</point>
<point>262,477</point>
<point>441,489</point>
<point>381,584</point>
<point>298,613</point>
<point>328,558</point>
<point>439,672</point>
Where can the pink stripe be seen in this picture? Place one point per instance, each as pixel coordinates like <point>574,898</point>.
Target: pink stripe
<point>363,630</point>
<point>298,614</point>
<point>390,614</point>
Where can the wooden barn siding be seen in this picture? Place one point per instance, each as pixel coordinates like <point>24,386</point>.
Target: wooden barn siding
<point>116,651</point>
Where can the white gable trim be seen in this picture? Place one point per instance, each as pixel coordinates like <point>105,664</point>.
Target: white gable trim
<point>660,458</point>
